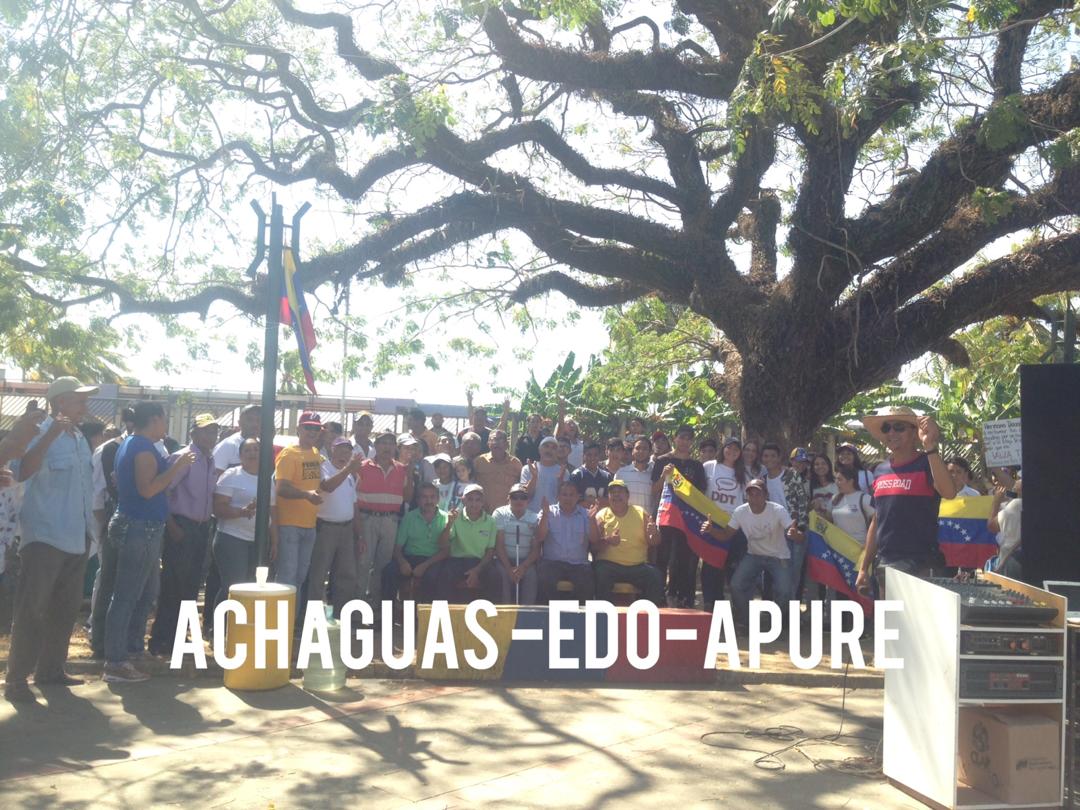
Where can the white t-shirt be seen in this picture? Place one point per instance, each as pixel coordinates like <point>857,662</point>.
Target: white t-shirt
<point>97,472</point>
<point>765,532</point>
<point>724,489</point>
<point>776,489</point>
<point>340,505</point>
<point>242,488</point>
<point>227,451</point>
<point>577,454</point>
<point>821,498</point>
<point>547,484</point>
<point>1009,521</point>
<point>359,451</point>
<point>968,491</point>
<point>853,514</point>
<point>639,482</point>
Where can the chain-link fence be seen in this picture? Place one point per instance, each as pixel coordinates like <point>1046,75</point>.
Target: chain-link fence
<point>182,406</point>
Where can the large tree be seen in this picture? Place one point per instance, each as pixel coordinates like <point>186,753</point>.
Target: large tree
<point>816,178</point>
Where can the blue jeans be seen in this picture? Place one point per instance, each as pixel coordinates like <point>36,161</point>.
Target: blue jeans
<point>235,561</point>
<point>181,576</point>
<point>747,574</point>
<point>138,568</point>
<point>294,555</point>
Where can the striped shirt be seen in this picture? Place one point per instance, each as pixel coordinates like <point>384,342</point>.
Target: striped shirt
<point>381,490</point>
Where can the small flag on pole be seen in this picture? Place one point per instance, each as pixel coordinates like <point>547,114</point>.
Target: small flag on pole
<point>294,311</point>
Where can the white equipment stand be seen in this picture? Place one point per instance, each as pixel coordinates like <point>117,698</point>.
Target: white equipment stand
<point>922,700</point>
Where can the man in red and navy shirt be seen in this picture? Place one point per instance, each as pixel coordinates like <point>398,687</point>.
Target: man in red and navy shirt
<point>908,489</point>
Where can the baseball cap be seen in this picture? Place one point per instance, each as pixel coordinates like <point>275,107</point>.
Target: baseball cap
<point>405,440</point>
<point>519,488</point>
<point>548,440</point>
<point>617,482</point>
<point>800,454</point>
<point>471,488</point>
<point>310,418</point>
<point>758,483</point>
<point>439,457</point>
<point>385,436</point>
<point>732,440</point>
<point>659,434</point>
<point>204,420</point>
<point>68,385</point>
<point>339,441</point>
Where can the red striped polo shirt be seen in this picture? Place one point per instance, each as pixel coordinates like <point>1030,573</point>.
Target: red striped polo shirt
<point>381,491</point>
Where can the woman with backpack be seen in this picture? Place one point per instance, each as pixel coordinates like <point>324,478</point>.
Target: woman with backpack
<point>852,508</point>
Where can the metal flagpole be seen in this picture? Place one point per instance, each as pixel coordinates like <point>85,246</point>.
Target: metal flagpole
<point>270,364</point>
<point>517,562</point>
<point>274,287</point>
<point>344,357</point>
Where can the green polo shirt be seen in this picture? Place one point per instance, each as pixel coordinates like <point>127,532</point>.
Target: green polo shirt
<point>418,537</point>
<point>472,538</point>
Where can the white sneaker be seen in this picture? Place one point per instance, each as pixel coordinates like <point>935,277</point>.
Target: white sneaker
<point>123,673</point>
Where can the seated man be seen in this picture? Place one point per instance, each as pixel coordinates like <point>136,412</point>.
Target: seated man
<point>766,525</point>
<point>565,552</point>
<point>466,549</point>
<point>415,547</point>
<point>521,531</point>
<point>625,534</point>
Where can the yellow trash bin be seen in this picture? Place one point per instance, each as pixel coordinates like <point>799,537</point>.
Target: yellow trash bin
<point>247,594</point>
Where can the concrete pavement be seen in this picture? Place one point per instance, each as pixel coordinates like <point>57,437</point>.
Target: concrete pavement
<point>398,743</point>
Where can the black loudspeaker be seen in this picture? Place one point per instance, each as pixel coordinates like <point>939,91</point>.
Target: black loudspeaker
<point>1050,437</point>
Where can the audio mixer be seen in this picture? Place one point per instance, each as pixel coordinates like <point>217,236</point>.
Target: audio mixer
<point>983,602</point>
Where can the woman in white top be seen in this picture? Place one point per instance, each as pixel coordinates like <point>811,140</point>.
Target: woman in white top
<point>577,443</point>
<point>727,489</point>
<point>848,455</point>
<point>960,473</point>
<point>751,455</point>
<point>822,485</point>
<point>234,508</point>
<point>851,508</point>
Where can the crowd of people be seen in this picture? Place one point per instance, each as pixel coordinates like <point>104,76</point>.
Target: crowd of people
<point>430,514</point>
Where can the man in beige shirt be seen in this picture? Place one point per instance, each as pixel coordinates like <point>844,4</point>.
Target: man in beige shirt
<point>497,471</point>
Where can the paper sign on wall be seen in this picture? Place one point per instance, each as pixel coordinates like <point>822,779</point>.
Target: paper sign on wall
<point>1001,443</point>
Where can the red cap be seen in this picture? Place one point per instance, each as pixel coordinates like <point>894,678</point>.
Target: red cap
<point>309,418</point>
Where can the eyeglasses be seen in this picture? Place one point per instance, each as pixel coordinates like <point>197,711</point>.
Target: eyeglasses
<point>519,496</point>
<point>898,427</point>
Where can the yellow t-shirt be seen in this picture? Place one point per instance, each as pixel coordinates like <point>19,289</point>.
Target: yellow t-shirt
<point>303,468</point>
<point>633,549</point>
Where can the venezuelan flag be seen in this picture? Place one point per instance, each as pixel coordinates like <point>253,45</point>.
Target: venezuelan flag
<point>962,534</point>
<point>832,558</point>
<point>685,507</point>
<point>294,311</point>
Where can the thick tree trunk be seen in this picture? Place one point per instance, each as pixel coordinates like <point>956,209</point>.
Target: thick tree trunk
<point>786,383</point>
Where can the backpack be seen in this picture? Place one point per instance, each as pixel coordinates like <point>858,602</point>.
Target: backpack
<point>862,508</point>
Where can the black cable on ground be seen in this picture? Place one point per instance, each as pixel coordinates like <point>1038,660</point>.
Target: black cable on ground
<point>867,766</point>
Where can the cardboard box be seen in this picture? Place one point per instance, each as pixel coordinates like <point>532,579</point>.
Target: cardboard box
<point>1014,757</point>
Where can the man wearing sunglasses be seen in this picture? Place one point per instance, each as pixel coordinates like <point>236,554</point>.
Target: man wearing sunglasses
<point>907,493</point>
<point>517,547</point>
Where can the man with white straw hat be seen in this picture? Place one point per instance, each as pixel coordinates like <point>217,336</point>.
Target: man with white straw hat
<point>56,519</point>
<point>907,493</point>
